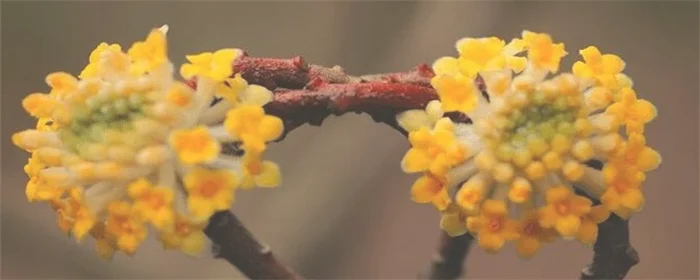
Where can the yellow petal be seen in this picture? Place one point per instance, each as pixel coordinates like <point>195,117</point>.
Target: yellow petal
<point>568,225</point>
<point>452,224</point>
<point>475,224</point>
<point>548,216</point>
<point>494,208</point>
<point>201,58</point>
<point>582,70</point>
<point>271,128</point>
<point>612,63</point>
<point>442,200</point>
<point>588,232</point>
<point>526,247</point>
<point>490,242</point>
<point>632,199</point>
<point>557,194</point>
<point>580,205</point>
<point>648,159</point>
<point>425,189</point>
<point>446,65</point>
<point>599,214</point>
<point>256,95</point>
<point>270,175</point>
<point>413,120</point>
<point>187,71</point>
<point>415,160</point>
<point>611,199</point>
<point>193,244</point>
<point>105,249</point>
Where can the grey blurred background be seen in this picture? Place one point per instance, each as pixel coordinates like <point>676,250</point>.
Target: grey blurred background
<point>343,210</point>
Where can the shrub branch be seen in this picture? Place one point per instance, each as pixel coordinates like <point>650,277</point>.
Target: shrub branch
<point>307,94</point>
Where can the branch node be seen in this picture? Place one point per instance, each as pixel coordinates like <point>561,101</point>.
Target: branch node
<point>216,251</point>
<point>315,83</point>
<point>265,250</point>
<point>299,62</point>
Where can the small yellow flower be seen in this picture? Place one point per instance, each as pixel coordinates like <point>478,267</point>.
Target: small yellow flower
<point>456,92</point>
<point>604,68</point>
<point>38,190</point>
<point>154,204</point>
<point>478,55</point>
<point>124,223</point>
<point>564,210</point>
<point>64,218</point>
<point>149,54</point>
<point>250,124</point>
<point>105,243</point>
<point>186,235</point>
<point>492,226</point>
<point>633,112</point>
<point>254,95</point>
<point>39,105</point>
<point>46,124</point>
<point>636,154</point>
<point>76,214</point>
<point>442,201</point>
<point>427,189</point>
<point>260,173</point>
<point>470,195</point>
<point>62,84</point>
<point>93,69</point>
<point>413,120</point>
<point>452,221</point>
<point>532,235</point>
<point>180,95</point>
<point>588,231</point>
<point>232,88</point>
<point>434,150</point>
<point>542,52</point>
<point>623,192</point>
<point>217,66</point>
<point>209,191</point>
<point>446,65</point>
<point>195,145</point>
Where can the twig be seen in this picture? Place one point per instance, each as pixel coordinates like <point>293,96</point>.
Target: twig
<point>613,255</point>
<point>449,261</point>
<point>234,243</point>
<point>310,93</point>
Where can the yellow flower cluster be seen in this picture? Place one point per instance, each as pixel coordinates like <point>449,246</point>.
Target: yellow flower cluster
<point>125,148</point>
<point>513,172</point>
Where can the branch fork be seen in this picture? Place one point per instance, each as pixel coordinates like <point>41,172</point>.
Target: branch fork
<point>306,93</point>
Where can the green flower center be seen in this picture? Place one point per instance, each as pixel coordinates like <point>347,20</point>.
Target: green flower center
<point>102,114</point>
<point>541,119</point>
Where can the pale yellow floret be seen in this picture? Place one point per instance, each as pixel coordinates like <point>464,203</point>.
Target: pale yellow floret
<point>520,190</point>
<point>552,161</point>
<point>194,145</point>
<point>582,150</point>
<point>573,170</point>
<point>209,191</point>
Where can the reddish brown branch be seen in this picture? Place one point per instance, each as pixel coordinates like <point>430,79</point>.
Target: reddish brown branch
<point>310,93</point>
<point>381,100</point>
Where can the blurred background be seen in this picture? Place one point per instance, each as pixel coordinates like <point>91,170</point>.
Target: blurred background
<point>344,210</point>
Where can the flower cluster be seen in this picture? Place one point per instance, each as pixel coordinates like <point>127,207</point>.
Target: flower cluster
<point>125,148</point>
<point>512,174</point>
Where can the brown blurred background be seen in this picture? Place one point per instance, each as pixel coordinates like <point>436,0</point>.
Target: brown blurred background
<point>344,209</point>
